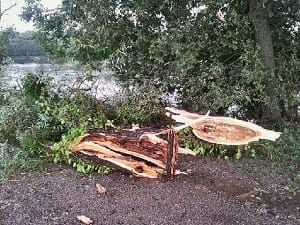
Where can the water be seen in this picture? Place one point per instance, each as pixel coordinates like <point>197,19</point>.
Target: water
<point>65,77</point>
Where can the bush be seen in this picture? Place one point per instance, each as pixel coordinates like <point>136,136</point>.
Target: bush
<point>287,147</point>
<point>139,106</point>
<point>19,111</point>
<point>37,123</point>
<point>33,118</point>
<point>145,113</point>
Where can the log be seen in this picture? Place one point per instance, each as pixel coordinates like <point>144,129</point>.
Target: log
<point>222,130</point>
<point>141,153</point>
<point>140,148</point>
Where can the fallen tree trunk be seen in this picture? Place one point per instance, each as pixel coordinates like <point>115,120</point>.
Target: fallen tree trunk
<point>141,153</point>
<point>223,130</point>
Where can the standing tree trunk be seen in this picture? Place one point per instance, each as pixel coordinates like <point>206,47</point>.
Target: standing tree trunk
<point>259,16</point>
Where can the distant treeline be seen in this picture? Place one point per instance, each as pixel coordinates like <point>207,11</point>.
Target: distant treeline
<point>23,49</point>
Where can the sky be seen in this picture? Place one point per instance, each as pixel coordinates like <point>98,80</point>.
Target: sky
<point>11,17</point>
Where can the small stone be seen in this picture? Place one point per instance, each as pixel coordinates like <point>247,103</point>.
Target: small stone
<point>85,220</point>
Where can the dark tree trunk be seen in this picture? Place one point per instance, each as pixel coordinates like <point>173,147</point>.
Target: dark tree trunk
<point>263,35</point>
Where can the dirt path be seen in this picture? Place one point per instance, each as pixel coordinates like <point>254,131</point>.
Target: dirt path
<point>215,192</point>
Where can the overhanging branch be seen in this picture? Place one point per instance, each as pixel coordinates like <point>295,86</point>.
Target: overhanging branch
<point>5,10</point>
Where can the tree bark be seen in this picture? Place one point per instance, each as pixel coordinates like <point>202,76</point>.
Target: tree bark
<point>263,36</point>
<point>172,153</point>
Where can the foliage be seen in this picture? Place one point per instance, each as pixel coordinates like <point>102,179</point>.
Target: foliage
<point>14,160</point>
<point>5,36</point>
<point>78,110</point>
<point>140,107</point>
<point>20,134</point>
<point>34,117</point>
<point>207,53</point>
<point>286,148</point>
<point>18,111</point>
<point>205,50</point>
<point>75,115</point>
<point>24,44</point>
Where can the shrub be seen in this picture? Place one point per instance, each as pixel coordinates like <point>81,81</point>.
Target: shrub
<point>139,106</point>
<point>287,147</point>
<point>145,113</point>
<point>33,118</point>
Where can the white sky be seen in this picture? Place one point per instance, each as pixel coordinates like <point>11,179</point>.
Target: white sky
<point>11,17</point>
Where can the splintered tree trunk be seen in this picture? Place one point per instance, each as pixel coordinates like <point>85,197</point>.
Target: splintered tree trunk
<point>263,35</point>
<point>140,152</point>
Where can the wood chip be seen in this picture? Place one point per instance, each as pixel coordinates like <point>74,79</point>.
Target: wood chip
<point>84,219</point>
<point>200,186</point>
<point>102,190</point>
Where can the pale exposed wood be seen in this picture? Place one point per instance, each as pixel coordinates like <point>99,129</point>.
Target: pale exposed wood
<point>137,168</point>
<point>223,130</point>
<point>183,113</point>
<point>118,149</point>
<point>143,153</point>
<point>102,190</point>
<point>90,146</point>
<point>143,148</point>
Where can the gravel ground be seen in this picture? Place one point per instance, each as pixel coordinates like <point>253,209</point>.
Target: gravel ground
<point>214,192</point>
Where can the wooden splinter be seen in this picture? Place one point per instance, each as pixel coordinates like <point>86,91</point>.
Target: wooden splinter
<point>172,153</point>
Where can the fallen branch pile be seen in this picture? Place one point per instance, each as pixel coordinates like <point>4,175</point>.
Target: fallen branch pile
<point>144,153</point>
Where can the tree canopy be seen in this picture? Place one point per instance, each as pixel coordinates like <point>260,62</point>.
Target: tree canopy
<point>213,52</point>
